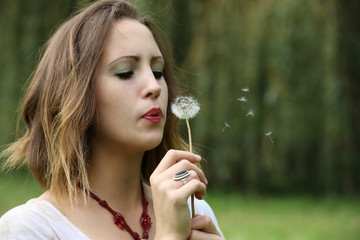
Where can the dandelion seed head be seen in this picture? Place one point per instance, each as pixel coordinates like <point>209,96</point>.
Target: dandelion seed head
<point>250,113</point>
<point>242,99</point>
<point>185,107</point>
<point>245,89</point>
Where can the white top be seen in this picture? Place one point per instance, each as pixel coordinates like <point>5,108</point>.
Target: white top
<point>40,220</point>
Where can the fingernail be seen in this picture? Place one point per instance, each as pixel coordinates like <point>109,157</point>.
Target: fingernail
<point>198,157</point>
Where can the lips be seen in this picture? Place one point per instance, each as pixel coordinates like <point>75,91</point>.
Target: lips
<point>154,115</point>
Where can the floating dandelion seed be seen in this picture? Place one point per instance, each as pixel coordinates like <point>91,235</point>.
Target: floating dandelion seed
<point>269,135</point>
<point>245,89</point>
<point>250,113</point>
<point>242,100</point>
<point>186,107</point>
<point>227,125</point>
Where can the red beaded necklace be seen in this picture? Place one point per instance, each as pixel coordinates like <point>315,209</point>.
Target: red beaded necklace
<point>119,219</point>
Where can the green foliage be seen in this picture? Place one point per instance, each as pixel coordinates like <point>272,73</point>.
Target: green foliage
<point>25,27</point>
<point>17,188</point>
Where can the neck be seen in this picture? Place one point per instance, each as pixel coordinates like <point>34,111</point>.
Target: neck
<point>116,176</point>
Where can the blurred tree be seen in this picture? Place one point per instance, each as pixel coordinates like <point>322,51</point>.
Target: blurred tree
<point>285,52</point>
<point>349,65</point>
<point>25,27</point>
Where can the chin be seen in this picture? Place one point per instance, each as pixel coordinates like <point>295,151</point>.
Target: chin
<point>153,143</point>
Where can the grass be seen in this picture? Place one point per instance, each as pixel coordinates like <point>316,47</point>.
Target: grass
<point>244,217</point>
<point>286,218</point>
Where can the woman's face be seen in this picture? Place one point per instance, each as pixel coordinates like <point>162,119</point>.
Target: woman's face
<point>131,92</point>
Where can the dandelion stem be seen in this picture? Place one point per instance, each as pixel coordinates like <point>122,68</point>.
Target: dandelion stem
<point>189,134</point>
<point>190,149</point>
<point>192,206</point>
<point>271,139</point>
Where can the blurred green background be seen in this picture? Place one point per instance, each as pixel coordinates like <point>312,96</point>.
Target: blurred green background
<point>300,61</point>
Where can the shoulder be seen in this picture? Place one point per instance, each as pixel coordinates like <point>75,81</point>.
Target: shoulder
<point>38,219</point>
<point>26,221</point>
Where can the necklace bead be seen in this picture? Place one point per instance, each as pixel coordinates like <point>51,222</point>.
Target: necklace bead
<point>119,220</point>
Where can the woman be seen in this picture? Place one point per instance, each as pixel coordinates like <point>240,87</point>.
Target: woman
<point>99,137</point>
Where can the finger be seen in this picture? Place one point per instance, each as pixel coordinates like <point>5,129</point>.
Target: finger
<point>192,176</point>
<point>184,165</point>
<point>169,183</point>
<point>174,156</point>
<point>192,187</point>
<point>167,177</point>
<point>196,187</point>
<point>204,223</point>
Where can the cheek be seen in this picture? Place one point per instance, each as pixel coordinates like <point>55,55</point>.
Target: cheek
<point>164,98</point>
<point>109,92</point>
<point>165,92</point>
<point>109,102</point>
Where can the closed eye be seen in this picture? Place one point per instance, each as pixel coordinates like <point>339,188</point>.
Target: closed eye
<point>158,74</point>
<point>124,75</point>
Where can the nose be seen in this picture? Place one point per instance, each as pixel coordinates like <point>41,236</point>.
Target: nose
<point>153,88</point>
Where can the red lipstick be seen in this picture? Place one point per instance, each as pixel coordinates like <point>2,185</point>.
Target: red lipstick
<point>154,115</point>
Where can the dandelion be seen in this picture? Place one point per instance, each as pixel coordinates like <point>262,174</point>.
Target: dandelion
<point>269,135</point>
<point>250,113</point>
<point>245,89</point>
<point>186,107</point>
<point>242,100</point>
<point>227,125</point>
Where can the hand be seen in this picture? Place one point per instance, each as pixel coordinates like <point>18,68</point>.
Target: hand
<point>203,228</point>
<point>170,197</point>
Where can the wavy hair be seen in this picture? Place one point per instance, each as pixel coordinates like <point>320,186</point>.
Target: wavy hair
<point>59,104</point>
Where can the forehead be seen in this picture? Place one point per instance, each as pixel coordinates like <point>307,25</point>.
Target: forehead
<point>129,37</point>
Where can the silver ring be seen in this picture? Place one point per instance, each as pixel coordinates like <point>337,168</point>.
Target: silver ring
<point>181,176</point>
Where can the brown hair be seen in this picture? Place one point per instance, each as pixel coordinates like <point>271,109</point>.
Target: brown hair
<point>59,106</point>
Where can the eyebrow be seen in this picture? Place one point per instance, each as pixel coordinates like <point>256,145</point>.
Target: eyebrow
<point>136,58</point>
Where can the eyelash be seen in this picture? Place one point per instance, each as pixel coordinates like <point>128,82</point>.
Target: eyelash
<point>127,75</point>
<point>158,74</point>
